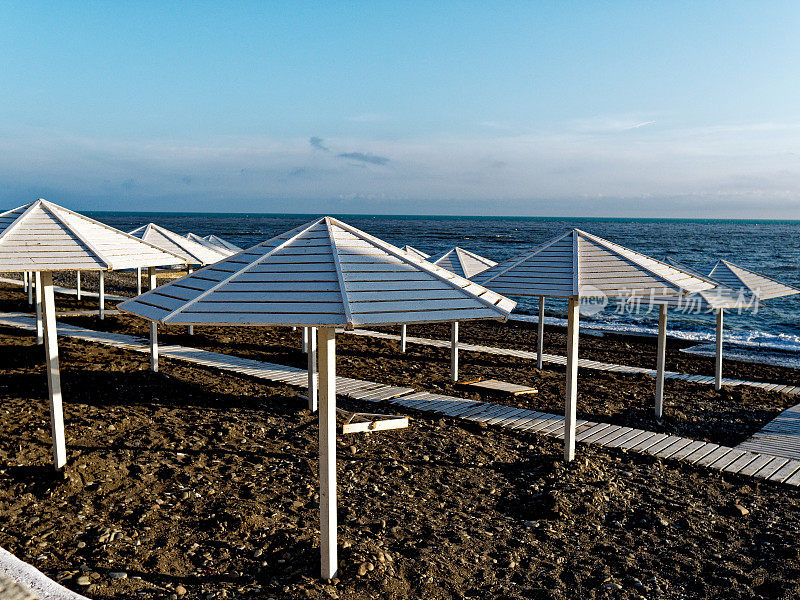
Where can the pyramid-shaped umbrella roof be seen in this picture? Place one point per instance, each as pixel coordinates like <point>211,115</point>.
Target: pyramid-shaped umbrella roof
<point>324,273</point>
<point>696,272</point>
<point>717,298</point>
<point>42,236</point>
<point>737,278</point>
<point>191,252</point>
<point>208,244</point>
<point>414,252</point>
<point>218,241</point>
<point>463,262</point>
<point>579,264</point>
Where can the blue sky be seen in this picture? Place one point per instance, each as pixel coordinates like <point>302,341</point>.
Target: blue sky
<point>673,109</point>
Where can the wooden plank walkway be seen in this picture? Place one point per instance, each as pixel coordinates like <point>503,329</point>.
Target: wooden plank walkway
<point>67,291</point>
<point>352,388</point>
<point>714,456</point>
<point>761,464</point>
<point>582,362</point>
<point>779,437</point>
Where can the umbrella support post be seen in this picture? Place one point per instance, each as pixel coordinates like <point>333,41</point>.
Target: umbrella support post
<point>78,284</point>
<point>454,351</point>
<point>571,399</point>
<point>540,335</point>
<point>45,281</point>
<point>304,344</point>
<point>660,360</point>
<point>718,352</point>
<point>327,452</point>
<point>190,329</point>
<point>151,275</point>
<point>102,295</point>
<point>313,381</point>
<point>37,278</point>
<point>30,287</point>
<point>25,281</point>
<point>403,338</point>
<point>138,281</point>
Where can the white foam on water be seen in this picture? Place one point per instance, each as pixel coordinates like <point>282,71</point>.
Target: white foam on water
<point>778,359</point>
<point>754,341</point>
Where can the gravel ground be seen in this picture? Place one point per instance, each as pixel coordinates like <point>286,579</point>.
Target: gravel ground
<point>192,483</point>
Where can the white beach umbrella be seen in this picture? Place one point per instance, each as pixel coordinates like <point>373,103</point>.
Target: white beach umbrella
<point>218,241</point>
<point>739,278</point>
<point>419,254</point>
<point>465,264</point>
<point>42,237</point>
<point>414,252</point>
<point>752,287</point>
<point>717,301</point>
<point>579,265</point>
<point>192,253</point>
<point>208,244</point>
<point>325,274</point>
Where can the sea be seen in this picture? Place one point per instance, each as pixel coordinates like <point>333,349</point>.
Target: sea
<point>769,333</point>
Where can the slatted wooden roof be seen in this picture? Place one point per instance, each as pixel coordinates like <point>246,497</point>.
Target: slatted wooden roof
<point>42,236</point>
<point>718,298</point>
<point>463,262</point>
<point>324,273</point>
<point>208,244</point>
<point>696,272</point>
<point>218,241</point>
<point>414,252</point>
<point>191,252</point>
<point>737,277</point>
<point>583,265</point>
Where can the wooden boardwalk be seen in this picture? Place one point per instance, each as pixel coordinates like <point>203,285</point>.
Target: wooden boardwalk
<point>352,388</point>
<point>771,462</point>
<point>778,437</point>
<point>67,291</point>
<point>582,362</point>
<point>723,458</point>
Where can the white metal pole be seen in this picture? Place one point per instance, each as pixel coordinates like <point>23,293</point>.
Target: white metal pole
<point>151,276</point>
<point>312,369</point>
<point>402,338</point>
<point>78,284</point>
<point>25,281</point>
<point>102,294</point>
<point>37,277</point>
<point>661,359</point>
<point>570,404</point>
<point>138,281</point>
<point>540,334</point>
<point>30,287</point>
<point>191,327</point>
<point>718,354</point>
<point>454,351</point>
<point>327,453</point>
<point>53,374</point>
<point>304,344</point>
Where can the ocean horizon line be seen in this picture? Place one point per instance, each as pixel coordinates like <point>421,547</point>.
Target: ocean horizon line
<point>443,217</point>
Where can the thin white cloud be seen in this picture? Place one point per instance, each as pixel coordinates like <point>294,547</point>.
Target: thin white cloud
<point>642,124</point>
<point>609,124</point>
<point>730,165</point>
